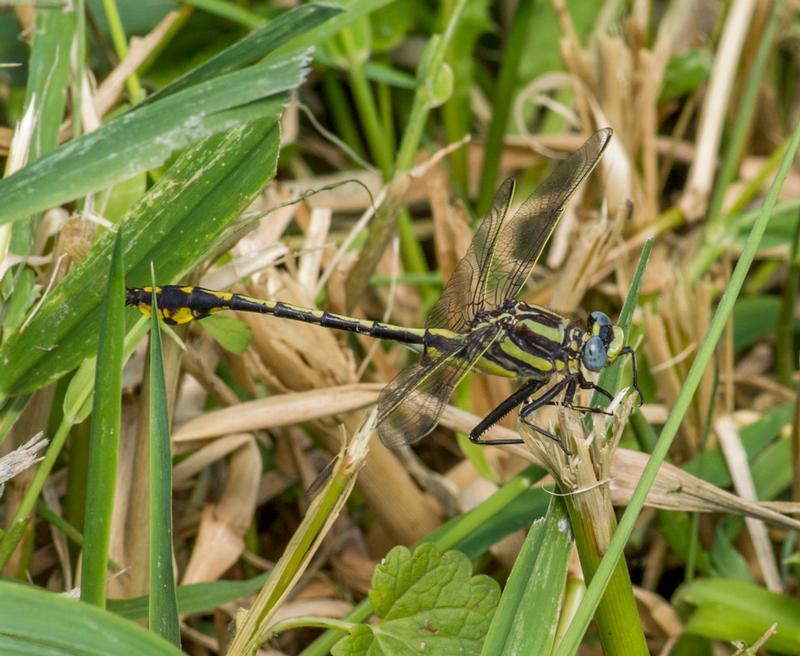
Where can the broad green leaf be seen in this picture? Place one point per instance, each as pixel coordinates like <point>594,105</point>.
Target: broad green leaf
<point>230,333</point>
<point>174,225</point>
<point>146,136</point>
<point>41,623</point>
<point>755,437</point>
<point>756,318</point>
<point>428,602</point>
<point>685,72</point>
<point>736,610</point>
<point>512,507</point>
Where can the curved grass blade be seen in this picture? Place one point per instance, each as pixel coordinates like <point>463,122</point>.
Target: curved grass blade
<point>175,224</point>
<point>33,621</point>
<point>257,44</point>
<point>145,137</point>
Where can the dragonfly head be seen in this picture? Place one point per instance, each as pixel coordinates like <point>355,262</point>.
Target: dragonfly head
<point>604,344</point>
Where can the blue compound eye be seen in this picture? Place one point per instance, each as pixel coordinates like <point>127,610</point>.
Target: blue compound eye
<point>600,324</point>
<point>599,318</point>
<point>594,354</point>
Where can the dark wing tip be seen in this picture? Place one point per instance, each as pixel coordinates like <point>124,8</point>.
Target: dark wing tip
<point>603,136</point>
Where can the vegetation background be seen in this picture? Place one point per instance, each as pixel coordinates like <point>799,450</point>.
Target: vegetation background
<point>338,155</point>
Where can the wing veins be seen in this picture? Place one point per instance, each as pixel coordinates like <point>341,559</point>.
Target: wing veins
<point>410,406</point>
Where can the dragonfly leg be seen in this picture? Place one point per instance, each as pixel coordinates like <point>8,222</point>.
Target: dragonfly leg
<point>547,399</point>
<point>501,411</point>
<point>588,384</point>
<point>629,351</point>
<point>569,395</point>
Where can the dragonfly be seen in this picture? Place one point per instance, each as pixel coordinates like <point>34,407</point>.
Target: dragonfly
<point>477,322</point>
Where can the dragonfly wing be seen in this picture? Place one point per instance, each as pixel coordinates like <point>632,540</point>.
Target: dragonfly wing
<point>410,406</point>
<point>463,296</point>
<point>524,235</point>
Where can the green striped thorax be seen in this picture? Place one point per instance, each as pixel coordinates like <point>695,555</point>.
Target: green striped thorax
<point>537,342</point>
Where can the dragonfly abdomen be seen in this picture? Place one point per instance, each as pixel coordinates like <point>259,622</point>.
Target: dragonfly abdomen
<point>181,304</point>
<point>339,322</point>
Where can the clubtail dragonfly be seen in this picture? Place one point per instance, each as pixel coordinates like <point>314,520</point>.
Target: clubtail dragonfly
<point>476,323</point>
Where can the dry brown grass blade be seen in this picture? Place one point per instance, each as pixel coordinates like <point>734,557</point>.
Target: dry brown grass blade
<point>660,617</point>
<point>736,459</point>
<point>587,254</point>
<point>451,229</point>
<point>207,455</point>
<point>674,489</point>
<point>305,542</point>
<point>32,421</point>
<point>21,458</point>
<point>279,410</point>
<point>674,327</point>
<point>220,539</point>
<point>310,360</point>
<point>715,109</point>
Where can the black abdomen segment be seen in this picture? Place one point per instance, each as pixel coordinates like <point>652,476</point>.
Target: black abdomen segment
<point>326,319</point>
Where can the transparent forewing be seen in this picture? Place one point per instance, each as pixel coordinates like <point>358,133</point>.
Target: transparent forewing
<point>463,296</point>
<point>524,235</point>
<point>410,406</point>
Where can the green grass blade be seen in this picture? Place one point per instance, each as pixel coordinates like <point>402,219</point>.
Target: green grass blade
<point>10,412</point>
<point>741,128</point>
<point>104,437</point>
<point>193,598</point>
<point>704,354</point>
<point>45,100</point>
<point>145,137</point>
<point>353,11</point>
<point>76,407</point>
<point>610,376</point>
<point>48,76</point>
<point>503,94</point>
<point>785,359</point>
<point>175,224</point>
<point>33,621</point>
<point>253,47</point>
<point>120,42</point>
<point>228,10</point>
<point>533,591</point>
<point>163,606</point>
